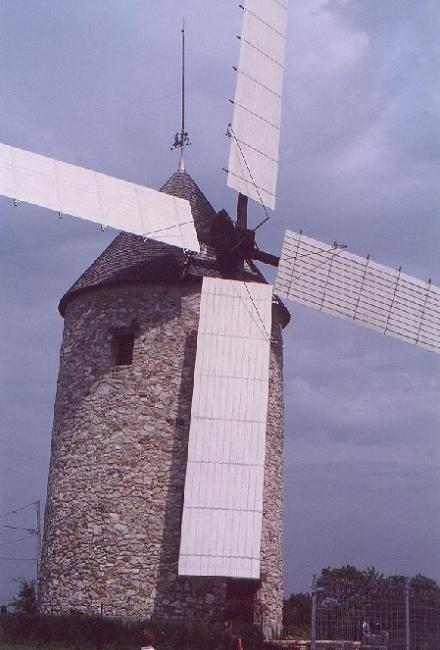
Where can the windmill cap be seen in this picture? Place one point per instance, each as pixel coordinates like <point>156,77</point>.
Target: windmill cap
<point>130,259</point>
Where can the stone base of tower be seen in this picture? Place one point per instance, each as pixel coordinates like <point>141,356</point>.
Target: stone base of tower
<point>228,602</point>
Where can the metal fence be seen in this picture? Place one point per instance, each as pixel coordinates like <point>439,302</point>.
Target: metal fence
<point>395,613</point>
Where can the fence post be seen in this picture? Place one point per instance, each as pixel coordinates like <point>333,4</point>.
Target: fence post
<point>407,613</point>
<point>314,614</point>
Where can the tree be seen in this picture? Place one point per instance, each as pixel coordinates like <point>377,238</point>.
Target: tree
<point>348,578</point>
<point>297,609</point>
<point>297,613</point>
<point>422,581</point>
<point>25,602</point>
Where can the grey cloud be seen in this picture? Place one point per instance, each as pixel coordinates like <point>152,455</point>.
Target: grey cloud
<point>349,501</point>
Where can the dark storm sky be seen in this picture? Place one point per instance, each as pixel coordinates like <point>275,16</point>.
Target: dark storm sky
<point>96,83</point>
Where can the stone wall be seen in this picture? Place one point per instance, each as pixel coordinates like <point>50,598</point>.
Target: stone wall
<point>117,470</point>
<point>270,594</point>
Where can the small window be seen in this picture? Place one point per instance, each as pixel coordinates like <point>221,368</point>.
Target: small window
<point>123,349</point>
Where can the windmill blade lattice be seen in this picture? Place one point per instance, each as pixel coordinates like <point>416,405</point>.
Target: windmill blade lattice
<point>90,195</point>
<point>223,501</point>
<point>255,131</point>
<point>329,279</point>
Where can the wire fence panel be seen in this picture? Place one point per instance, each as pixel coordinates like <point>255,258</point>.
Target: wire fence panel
<point>394,613</point>
<point>424,618</point>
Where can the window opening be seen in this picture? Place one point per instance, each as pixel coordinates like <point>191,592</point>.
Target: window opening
<point>123,348</point>
<point>123,343</point>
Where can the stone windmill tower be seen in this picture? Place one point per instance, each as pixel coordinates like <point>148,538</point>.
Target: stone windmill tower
<point>120,435</point>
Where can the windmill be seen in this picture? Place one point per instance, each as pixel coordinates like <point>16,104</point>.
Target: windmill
<point>318,264</point>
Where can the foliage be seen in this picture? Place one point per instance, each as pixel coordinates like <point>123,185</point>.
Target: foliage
<point>14,646</point>
<point>348,581</point>
<point>25,602</point>
<point>422,581</point>
<point>297,632</point>
<point>297,612</point>
<point>79,631</point>
<point>349,584</point>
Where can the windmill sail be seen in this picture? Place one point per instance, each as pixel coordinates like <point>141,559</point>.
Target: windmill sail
<point>255,132</point>
<point>222,514</point>
<point>330,279</point>
<point>93,196</point>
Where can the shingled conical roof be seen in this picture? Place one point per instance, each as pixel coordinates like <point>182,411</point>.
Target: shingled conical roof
<point>131,259</point>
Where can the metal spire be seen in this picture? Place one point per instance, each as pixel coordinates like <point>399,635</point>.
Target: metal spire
<point>181,139</point>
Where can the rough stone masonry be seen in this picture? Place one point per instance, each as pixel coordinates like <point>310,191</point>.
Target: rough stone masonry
<point>119,446</point>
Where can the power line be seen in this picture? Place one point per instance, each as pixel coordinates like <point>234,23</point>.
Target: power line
<point>12,512</point>
<point>11,541</point>
<point>32,531</point>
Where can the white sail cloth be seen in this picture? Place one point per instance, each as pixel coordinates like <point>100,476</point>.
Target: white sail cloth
<point>327,278</point>
<point>90,195</point>
<point>255,132</point>
<point>223,505</point>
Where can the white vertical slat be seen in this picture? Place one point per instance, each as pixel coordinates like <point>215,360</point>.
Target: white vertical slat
<point>330,279</point>
<point>255,132</point>
<point>89,195</point>
<point>226,448</point>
